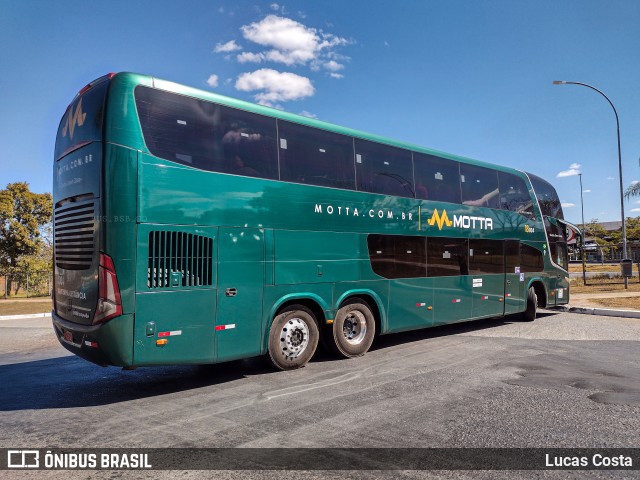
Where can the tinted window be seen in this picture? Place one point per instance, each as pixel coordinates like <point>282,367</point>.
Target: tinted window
<point>447,257</point>
<point>514,195</point>
<point>531,259</point>
<point>512,255</point>
<point>383,169</point>
<point>557,237</point>
<point>396,256</point>
<point>547,197</point>
<point>437,178</point>
<point>486,256</point>
<point>479,186</point>
<point>315,157</point>
<point>208,136</point>
<point>82,122</point>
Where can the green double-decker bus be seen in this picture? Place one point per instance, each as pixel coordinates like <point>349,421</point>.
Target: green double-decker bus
<point>194,228</point>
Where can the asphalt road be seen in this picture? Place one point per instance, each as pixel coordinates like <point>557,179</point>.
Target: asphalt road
<point>565,380</point>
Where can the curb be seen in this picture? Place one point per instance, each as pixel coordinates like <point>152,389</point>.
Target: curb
<point>29,315</point>
<point>605,312</point>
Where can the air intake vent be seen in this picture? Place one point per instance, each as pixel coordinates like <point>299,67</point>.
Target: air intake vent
<point>178,259</point>
<point>73,231</point>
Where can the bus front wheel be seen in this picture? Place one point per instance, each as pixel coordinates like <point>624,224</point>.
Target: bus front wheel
<point>353,329</point>
<point>529,314</point>
<point>293,338</point>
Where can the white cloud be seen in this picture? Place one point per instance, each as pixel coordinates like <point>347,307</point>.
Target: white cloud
<point>634,182</point>
<point>276,86</point>
<point>336,75</point>
<point>212,81</point>
<point>568,204</point>
<point>635,210</point>
<point>290,42</point>
<point>586,191</point>
<point>245,57</point>
<point>610,178</point>
<point>275,6</point>
<point>333,66</point>
<point>304,113</point>
<point>574,169</point>
<point>230,46</point>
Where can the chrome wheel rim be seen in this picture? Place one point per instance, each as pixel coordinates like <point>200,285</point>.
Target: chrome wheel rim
<point>294,338</point>
<point>354,327</point>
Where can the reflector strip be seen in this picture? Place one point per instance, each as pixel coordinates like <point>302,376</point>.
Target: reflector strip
<point>225,327</point>
<point>172,333</point>
<point>421,304</point>
<point>485,297</point>
<point>91,344</point>
<point>508,294</point>
<point>456,300</point>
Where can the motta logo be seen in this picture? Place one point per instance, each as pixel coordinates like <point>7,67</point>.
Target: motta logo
<point>440,220</point>
<point>75,118</point>
<point>529,229</point>
<point>459,221</point>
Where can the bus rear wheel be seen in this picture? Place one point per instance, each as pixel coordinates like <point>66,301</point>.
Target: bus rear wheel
<point>529,315</point>
<point>353,329</point>
<point>293,338</point>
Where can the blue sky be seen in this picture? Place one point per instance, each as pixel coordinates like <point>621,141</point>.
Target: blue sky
<point>467,77</point>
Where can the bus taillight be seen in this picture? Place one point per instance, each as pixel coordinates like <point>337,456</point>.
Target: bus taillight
<point>109,303</point>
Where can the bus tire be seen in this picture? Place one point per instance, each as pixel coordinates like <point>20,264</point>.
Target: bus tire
<point>529,315</point>
<point>293,338</point>
<point>354,328</point>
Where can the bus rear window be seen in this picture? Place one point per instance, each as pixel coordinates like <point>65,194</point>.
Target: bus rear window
<point>82,122</point>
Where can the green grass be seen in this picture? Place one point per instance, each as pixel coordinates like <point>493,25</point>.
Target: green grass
<point>17,307</point>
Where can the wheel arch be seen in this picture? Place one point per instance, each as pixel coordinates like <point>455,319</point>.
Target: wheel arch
<point>541,291</point>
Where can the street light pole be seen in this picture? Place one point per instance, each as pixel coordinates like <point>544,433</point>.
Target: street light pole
<point>584,266</point>
<point>624,226</point>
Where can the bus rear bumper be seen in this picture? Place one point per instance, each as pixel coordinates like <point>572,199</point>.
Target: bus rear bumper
<point>105,344</point>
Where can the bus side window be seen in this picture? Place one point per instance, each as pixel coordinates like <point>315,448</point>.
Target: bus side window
<point>486,256</point>
<point>246,143</point>
<point>514,195</point>
<point>437,178</point>
<point>397,256</point>
<point>479,186</point>
<point>447,257</point>
<point>384,169</point>
<point>531,259</point>
<point>315,157</point>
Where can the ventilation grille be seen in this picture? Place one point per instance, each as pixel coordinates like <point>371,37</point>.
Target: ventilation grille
<point>179,259</point>
<point>73,231</point>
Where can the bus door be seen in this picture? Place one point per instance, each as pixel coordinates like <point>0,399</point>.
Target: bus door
<point>486,266</point>
<point>238,327</point>
<point>514,294</point>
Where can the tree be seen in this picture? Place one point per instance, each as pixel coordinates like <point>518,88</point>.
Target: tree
<point>633,190</point>
<point>24,215</point>
<point>633,229</point>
